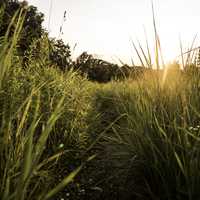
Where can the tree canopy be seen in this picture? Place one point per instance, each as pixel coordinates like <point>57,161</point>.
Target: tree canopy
<point>32,26</point>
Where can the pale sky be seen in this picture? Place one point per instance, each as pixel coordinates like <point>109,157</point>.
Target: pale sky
<point>104,27</point>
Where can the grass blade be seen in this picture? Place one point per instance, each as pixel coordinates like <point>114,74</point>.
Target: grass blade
<point>61,185</point>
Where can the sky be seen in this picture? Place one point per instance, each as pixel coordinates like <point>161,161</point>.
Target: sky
<point>106,27</point>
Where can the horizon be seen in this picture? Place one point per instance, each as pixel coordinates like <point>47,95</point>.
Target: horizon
<point>105,28</point>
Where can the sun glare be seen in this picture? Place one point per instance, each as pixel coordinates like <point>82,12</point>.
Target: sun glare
<point>105,27</point>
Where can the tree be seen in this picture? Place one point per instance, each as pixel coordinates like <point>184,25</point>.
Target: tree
<point>96,69</point>
<point>49,52</point>
<point>32,26</point>
<point>83,63</point>
<point>60,54</point>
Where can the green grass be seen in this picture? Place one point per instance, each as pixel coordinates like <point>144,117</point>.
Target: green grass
<point>42,115</point>
<point>62,136</point>
<point>152,151</point>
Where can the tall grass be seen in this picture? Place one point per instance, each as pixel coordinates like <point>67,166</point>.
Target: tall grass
<point>144,133</point>
<point>40,124</point>
<point>152,152</point>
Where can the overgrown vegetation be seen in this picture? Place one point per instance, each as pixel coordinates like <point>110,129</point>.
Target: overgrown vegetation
<point>65,137</point>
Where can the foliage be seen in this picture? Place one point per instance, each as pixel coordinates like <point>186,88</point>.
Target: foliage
<point>102,71</point>
<point>33,37</point>
<point>60,54</point>
<point>144,133</point>
<point>32,26</point>
<point>40,124</point>
<point>151,152</point>
<point>49,52</point>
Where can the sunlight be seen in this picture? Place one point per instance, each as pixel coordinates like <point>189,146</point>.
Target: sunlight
<point>101,101</point>
<point>98,29</point>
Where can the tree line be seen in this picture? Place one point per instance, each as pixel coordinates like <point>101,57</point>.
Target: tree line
<point>35,42</point>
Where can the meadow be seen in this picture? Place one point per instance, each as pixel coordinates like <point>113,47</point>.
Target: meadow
<point>65,137</point>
